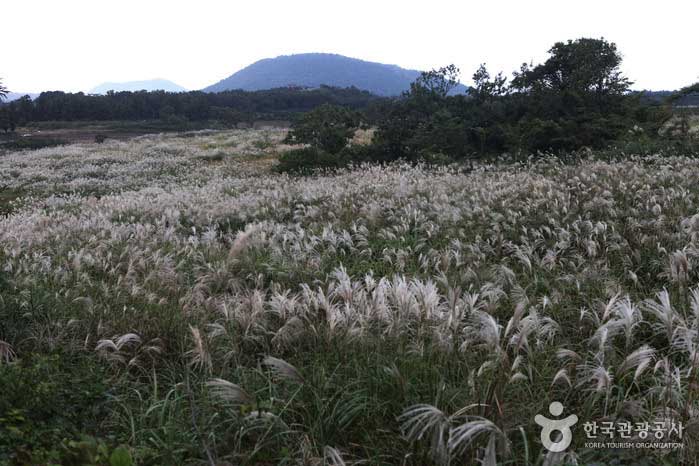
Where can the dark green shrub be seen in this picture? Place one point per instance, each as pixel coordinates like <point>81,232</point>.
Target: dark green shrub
<point>356,154</point>
<point>31,143</point>
<point>45,400</point>
<point>309,159</point>
<point>306,160</point>
<point>328,128</point>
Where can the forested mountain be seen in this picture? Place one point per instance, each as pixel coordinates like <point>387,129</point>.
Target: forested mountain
<point>316,69</point>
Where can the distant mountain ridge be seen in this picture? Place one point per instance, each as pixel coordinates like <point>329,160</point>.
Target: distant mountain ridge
<point>18,95</point>
<point>146,85</point>
<point>316,69</point>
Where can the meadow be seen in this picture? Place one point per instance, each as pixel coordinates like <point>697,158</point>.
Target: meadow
<point>171,299</point>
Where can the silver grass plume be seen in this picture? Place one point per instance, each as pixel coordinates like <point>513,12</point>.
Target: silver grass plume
<point>7,354</point>
<point>282,369</point>
<point>639,360</point>
<point>332,457</point>
<point>229,392</point>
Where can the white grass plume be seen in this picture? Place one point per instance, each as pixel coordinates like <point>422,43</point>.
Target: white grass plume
<point>7,354</point>
<point>562,376</point>
<point>282,369</point>
<point>639,360</point>
<point>117,349</point>
<point>462,436</point>
<point>484,331</point>
<point>424,420</point>
<point>332,457</point>
<point>242,240</point>
<point>665,314</point>
<point>598,376</point>
<point>229,392</point>
<point>199,354</point>
<point>449,436</point>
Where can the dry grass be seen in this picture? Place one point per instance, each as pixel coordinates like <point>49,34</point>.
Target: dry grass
<point>343,307</point>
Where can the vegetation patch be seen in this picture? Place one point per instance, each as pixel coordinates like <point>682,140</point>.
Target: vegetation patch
<point>178,311</point>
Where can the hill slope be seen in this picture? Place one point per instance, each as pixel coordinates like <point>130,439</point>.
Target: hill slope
<point>314,69</point>
<point>147,85</point>
<point>18,95</point>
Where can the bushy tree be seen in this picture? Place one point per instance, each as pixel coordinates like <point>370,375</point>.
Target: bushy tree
<point>436,83</point>
<point>7,113</point>
<point>486,89</point>
<point>423,121</point>
<point>577,98</point>
<point>7,121</point>
<point>685,91</point>
<point>24,109</point>
<point>583,66</point>
<point>3,91</point>
<point>328,128</point>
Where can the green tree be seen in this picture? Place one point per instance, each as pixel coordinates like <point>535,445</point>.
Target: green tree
<point>422,122</point>
<point>484,88</point>
<point>328,128</point>
<point>685,91</point>
<point>3,91</point>
<point>23,109</point>
<point>4,120</point>
<point>577,98</point>
<point>588,69</point>
<point>436,83</point>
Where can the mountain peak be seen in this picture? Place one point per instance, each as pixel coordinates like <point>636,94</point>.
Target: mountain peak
<point>157,84</point>
<point>316,69</point>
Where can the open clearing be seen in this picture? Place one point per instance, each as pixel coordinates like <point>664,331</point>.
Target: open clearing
<point>216,312</point>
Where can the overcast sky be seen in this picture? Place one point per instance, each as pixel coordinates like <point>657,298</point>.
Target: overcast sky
<point>73,45</point>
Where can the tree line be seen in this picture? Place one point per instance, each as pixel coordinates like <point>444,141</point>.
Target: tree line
<point>228,107</point>
<point>577,98</point>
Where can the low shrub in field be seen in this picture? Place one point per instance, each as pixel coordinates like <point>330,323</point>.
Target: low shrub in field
<point>359,153</point>
<point>48,403</point>
<point>328,128</point>
<point>307,160</point>
<point>31,143</point>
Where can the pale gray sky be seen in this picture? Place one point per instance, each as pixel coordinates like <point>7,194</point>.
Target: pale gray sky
<point>73,45</point>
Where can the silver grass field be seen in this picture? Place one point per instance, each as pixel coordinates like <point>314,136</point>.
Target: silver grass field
<point>404,315</point>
